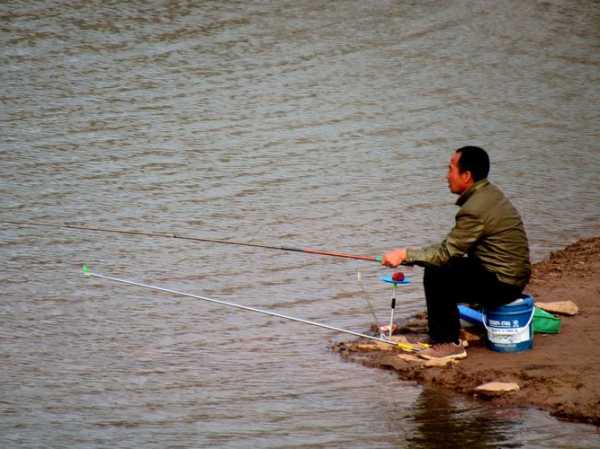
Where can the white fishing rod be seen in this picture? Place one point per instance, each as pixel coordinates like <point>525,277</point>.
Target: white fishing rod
<point>401,345</point>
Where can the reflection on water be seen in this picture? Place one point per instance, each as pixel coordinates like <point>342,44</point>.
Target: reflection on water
<point>308,124</point>
<point>442,423</point>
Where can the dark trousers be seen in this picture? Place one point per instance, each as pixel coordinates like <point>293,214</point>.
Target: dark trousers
<point>462,281</point>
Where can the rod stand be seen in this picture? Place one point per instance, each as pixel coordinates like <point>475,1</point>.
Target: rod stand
<point>393,306</point>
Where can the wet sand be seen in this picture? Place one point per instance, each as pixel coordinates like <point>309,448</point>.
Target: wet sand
<point>562,372</point>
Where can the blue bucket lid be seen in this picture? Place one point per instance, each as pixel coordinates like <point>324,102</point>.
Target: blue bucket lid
<point>525,303</point>
<point>524,300</point>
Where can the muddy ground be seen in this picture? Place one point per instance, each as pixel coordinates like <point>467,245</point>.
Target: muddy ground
<point>562,372</point>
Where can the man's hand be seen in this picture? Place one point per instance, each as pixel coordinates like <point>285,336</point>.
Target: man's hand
<point>394,258</point>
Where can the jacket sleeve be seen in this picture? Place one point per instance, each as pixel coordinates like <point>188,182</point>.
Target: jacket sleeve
<point>467,230</point>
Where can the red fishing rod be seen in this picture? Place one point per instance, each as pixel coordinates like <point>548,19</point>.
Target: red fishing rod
<point>195,239</point>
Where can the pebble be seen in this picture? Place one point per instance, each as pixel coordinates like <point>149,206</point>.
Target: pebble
<point>496,388</point>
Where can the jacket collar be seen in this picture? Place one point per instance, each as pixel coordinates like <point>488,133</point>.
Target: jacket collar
<point>471,190</point>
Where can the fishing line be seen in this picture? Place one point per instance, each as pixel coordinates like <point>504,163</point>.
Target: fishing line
<point>366,295</point>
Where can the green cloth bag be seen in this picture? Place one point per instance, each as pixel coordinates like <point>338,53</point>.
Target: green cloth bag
<point>545,323</point>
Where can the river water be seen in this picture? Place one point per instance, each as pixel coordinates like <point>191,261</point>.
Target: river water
<point>324,124</point>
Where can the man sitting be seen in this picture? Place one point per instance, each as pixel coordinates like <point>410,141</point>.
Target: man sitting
<point>484,259</point>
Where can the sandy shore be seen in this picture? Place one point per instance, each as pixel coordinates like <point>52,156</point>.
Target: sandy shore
<point>562,372</point>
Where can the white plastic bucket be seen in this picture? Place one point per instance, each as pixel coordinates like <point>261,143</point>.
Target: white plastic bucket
<point>509,327</point>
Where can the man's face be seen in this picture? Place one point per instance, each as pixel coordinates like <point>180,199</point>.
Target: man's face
<point>458,182</point>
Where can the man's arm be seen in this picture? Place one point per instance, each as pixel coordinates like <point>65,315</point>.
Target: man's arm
<point>467,230</point>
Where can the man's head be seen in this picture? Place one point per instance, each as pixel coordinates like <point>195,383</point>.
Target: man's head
<point>467,166</point>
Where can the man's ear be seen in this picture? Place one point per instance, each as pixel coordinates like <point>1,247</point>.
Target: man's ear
<point>468,176</point>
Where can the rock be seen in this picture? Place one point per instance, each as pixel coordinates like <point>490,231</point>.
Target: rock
<point>492,389</point>
<point>409,358</point>
<point>439,362</point>
<point>381,346</point>
<point>560,307</point>
<point>370,346</point>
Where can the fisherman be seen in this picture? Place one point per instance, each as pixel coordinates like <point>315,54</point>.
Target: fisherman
<point>484,259</point>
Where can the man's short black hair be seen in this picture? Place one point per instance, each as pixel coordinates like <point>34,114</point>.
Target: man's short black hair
<point>475,160</point>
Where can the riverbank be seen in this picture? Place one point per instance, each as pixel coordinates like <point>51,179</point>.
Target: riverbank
<point>561,374</point>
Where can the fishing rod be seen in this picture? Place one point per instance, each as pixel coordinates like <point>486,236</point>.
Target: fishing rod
<point>197,239</point>
<point>408,347</point>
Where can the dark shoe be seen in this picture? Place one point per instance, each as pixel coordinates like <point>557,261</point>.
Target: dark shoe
<point>444,351</point>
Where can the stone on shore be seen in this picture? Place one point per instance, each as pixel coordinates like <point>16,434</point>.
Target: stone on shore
<point>492,389</point>
<point>560,307</point>
<point>439,363</point>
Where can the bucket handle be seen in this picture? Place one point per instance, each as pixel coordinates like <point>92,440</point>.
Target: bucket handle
<point>516,329</point>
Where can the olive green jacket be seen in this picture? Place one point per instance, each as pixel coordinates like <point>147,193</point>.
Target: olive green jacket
<point>489,228</point>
